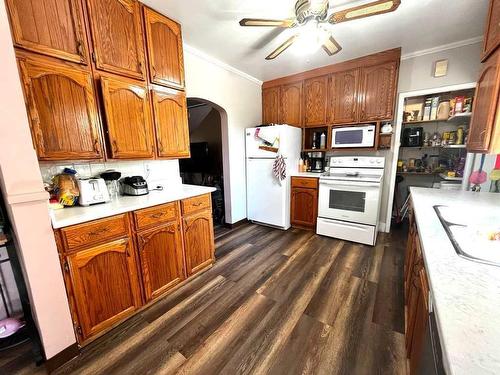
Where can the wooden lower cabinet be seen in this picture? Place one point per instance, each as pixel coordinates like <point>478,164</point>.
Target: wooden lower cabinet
<point>416,290</point>
<point>105,285</point>
<point>304,202</point>
<point>199,244</point>
<point>162,260</point>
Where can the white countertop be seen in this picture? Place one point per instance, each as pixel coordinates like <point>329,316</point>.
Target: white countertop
<point>76,215</point>
<point>465,294</point>
<point>306,174</point>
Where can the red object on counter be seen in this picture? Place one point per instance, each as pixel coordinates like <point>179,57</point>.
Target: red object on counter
<point>497,163</point>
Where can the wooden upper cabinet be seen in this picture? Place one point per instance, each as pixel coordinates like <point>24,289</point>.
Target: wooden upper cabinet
<point>171,122</point>
<point>128,118</point>
<point>105,285</point>
<point>484,132</point>
<point>117,36</point>
<point>161,256</point>
<point>343,97</point>
<point>62,110</point>
<point>377,91</point>
<point>164,44</point>
<point>271,105</point>
<point>315,94</point>
<point>291,104</point>
<point>52,27</point>
<point>492,32</point>
<point>198,241</point>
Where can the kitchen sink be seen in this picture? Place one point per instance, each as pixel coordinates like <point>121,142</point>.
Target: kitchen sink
<point>468,231</point>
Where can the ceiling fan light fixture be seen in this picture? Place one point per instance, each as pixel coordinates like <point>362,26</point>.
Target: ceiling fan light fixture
<point>310,39</point>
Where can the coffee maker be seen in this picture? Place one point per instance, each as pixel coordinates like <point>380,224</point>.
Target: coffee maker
<point>315,162</point>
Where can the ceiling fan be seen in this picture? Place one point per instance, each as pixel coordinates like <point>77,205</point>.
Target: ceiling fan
<point>311,16</point>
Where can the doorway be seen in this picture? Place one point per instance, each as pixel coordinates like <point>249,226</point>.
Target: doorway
<point>207,126</point>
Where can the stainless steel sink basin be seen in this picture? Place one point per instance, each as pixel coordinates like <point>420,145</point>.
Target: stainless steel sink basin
<point>468,232</point>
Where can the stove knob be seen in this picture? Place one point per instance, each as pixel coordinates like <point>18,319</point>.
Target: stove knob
<point>372,161</point>
<point>379,161</point>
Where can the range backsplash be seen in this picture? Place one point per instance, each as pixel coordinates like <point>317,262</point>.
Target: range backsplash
<point>154,171</point>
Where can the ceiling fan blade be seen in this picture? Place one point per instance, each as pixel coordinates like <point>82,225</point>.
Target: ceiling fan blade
<point>331,46</point>
<point>281,48</point>
<point>269,23</point>
<point>366,10</point>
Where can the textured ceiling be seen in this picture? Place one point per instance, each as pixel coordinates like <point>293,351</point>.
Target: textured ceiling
<point>211,26</point>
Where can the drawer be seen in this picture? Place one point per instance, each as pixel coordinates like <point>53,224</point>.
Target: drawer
<point>305,182</point>
<point>155,215</point>
<point>194,204</point>
<point>94,232</point>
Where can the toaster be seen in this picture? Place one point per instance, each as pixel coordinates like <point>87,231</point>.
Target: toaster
<point>135,185</point>
<point>92,191</point>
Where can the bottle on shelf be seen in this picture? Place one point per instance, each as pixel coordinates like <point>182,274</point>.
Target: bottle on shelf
<point>322,142</point>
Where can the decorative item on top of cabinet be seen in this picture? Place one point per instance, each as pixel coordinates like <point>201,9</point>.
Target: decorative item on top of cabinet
<point>492,32</point>
<point>171,122</point>
<point>51,27</point>
<point>315,94</point>
<point>377,91</point>
<point>160,251</point>
<point>343,97</point>
<point>484,131</point>
<point>164,44</point>
<point>117,36</point>
<point>304,202</point>
<point>198,231</point>
<point>104,284</point>
<point>291,104</point>
<point>271,105</point>
<point>128,119</point>
<point>62,109</point>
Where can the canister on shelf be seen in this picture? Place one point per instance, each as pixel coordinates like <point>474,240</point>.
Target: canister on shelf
<point>460,136</point>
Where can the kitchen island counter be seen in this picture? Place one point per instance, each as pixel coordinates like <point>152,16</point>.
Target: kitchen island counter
<point>465,294</point>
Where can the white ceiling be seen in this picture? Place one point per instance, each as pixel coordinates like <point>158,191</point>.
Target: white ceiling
<point>211,26</point>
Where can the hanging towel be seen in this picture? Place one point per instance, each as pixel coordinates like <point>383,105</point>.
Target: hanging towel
<point>279,168</point>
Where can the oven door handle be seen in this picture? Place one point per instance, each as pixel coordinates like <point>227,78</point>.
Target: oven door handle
<point>350,184</point>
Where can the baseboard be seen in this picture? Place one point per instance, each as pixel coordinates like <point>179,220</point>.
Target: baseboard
<point>61,358</point>
<point>237,224</point>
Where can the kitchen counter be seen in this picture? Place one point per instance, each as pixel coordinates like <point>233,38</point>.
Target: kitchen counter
<point>465,294</point>
<point>306,174</point>
<point>76,215</point>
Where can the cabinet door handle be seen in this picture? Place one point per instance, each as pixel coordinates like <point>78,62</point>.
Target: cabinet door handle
<point>79,48</point>
<point>115,146</point>
<point>96,146</point>
<point>160,145</point>
<point>154,71</point>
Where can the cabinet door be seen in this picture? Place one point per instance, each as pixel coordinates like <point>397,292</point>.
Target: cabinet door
<point>62,110</point>
<point>304,207</point>
<point>105,285</point>
<point>315,93</point>
<point>492,33</point>
<point>171,122</point>
<point>291,104</point>
<point>484,115</point>
<point>128,119</point>
<point>270,105</point>
<point>378,91</point>
<point>343,97</point>
<point>162,260</point>
<point>198,241</point>
<point>51,27</point>
<point>164,43</point>
<point>117,36</point>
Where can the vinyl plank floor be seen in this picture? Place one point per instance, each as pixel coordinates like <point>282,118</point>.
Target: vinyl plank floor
<point>274,302</point>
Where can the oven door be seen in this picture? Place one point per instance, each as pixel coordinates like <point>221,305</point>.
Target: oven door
<point>353,201</point>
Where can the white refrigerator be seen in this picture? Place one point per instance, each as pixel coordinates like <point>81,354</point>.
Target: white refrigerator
<point>268,199</point>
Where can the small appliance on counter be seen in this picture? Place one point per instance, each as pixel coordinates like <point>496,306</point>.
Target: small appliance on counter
<point>92,191</point>
<point>111,177</point>
<point>135,185</point>
<point>315,162</point>
<point>413,137</point>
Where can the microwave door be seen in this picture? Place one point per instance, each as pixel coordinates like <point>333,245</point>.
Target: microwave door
<point>349,201</point>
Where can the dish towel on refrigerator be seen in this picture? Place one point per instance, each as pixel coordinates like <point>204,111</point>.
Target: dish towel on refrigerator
<point>279,168</point>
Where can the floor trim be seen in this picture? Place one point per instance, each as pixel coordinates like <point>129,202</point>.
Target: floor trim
<point>62,357</point>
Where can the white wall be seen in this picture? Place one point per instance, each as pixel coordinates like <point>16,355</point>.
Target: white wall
<point>240,96</point>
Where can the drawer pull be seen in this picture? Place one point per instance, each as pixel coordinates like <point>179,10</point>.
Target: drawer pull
<point>97,232</point>
<point>157,215</point>
<point>197,204</point>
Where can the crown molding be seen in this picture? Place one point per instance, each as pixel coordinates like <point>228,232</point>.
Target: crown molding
<point>443,47</point>
<point>220,64</point>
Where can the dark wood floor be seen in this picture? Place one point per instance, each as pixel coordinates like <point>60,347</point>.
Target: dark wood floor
<point>274,303</point>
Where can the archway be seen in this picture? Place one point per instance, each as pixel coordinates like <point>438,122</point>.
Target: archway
<point>209,164</point>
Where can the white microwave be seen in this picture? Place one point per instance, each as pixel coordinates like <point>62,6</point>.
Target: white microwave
<point>353,136</point>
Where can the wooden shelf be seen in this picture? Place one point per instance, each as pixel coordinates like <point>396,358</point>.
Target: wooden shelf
<point>419,173</point>
<point>452,119</point>
<point>315,150</point>
<point>428,147</point>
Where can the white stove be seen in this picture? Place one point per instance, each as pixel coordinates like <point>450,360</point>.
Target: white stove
<point>349,198</point>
